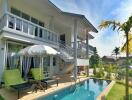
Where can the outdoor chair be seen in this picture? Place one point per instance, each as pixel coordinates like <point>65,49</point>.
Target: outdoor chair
<point>39,75</point>
<point>12,78</point>
<point>49,81</point>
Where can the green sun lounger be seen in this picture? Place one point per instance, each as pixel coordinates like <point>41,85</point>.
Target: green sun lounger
<point>12,78</point>
<point>38,74</point>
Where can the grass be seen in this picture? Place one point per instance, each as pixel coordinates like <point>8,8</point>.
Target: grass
<point>1,98</point>
<point>118,92</point>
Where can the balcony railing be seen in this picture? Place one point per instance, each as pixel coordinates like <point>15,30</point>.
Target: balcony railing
<point>26,27</point>
<point>81,45</point>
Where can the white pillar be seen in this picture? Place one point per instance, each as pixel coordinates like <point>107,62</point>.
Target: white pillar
<point>87,50</point>
<point>2,57</point>
<point>87,45</point>
<point>51,65</point>
<point>4,6</point>
<point>75,48</point>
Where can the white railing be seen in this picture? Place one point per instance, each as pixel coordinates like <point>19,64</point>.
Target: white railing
<point>82,46</point>
<point>26,27</point>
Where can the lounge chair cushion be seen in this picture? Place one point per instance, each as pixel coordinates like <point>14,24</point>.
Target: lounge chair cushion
<point>37,73</point>
<point>12,77</point>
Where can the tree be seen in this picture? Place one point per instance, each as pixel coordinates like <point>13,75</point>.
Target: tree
<point>94,71</point>
<point>126,28</point>
<point>94,59</point>
<point>116,51</point>
<point>123,49</point>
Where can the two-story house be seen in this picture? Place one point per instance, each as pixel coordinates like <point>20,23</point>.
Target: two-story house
<point>28,22</point>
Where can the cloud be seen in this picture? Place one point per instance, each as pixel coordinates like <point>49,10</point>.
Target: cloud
<point>106,43</point>
<point>123,11</point>
<point>96,11</point>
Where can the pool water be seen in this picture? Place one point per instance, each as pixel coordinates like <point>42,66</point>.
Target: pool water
<point>86,90</point>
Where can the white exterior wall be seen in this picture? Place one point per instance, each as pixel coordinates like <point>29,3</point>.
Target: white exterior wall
<point>82,62</point>
<point>32,11</point>
<point>53,20</point>
<point>0,8</point>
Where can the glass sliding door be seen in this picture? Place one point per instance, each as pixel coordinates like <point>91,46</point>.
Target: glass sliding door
<point>13,59</point>
<point>46,66</point>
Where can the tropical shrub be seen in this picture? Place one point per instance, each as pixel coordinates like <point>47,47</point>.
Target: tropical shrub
<point>109,71</point>
<point>130,73</point>
<point>120,74</point>
<point>100,73</point>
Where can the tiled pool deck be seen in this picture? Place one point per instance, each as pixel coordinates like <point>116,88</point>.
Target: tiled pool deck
<point>11,94</point>
<point>64,81</point>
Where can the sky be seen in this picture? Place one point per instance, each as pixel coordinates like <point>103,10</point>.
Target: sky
<point>96,11</point>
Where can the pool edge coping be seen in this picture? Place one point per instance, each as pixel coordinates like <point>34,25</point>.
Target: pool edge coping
<point>62,88</point>
<point>105,92</point>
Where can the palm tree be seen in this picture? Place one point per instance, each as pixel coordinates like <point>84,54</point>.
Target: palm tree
<point>116,51</point>
<point>126,28</point>
<point>123,49</point>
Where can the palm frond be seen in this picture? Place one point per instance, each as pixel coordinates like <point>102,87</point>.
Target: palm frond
<point>113,24</point>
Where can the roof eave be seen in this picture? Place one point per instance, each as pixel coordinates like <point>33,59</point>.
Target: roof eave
<point>76,15</point>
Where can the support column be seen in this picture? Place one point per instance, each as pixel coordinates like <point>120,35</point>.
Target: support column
<point>75,48</point>
<point>3,52</point>
<point>51,65</point>
<point>87,46</point>
<point>4,6</point>
<point>87,50</point>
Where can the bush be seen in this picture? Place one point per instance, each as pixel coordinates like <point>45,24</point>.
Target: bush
<point>120,74</point>
<point>109,71</point>
<point>130,73</point>
<point>100,73</point>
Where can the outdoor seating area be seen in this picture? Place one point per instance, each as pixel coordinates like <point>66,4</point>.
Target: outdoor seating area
<point>12,94</point>
<point>19,79</point>
<point>13,79</point>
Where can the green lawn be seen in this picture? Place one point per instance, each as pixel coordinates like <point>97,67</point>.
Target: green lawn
<point>118,92</point>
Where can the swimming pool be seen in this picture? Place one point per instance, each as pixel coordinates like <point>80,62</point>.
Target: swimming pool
<point>86,90</point>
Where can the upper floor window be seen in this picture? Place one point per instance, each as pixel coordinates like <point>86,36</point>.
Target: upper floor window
<point>15,12</point>
<point>34,20</point>
<point>41,23</point>
<point>25,16</point>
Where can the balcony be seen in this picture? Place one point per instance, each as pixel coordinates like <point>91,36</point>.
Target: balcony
<point>27,28</point>
<point>81,49</point>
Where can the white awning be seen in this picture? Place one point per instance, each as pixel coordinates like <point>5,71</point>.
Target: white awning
<point>38,50</point>
<point>82,62</point>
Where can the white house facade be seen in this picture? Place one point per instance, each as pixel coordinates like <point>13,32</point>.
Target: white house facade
<point>28,22</point>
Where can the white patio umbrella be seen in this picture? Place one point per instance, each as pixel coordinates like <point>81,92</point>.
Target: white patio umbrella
<point>38,50</point>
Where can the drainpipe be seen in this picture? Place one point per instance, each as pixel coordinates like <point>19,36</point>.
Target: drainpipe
<point>87,50</point>
<point>75,48</point>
